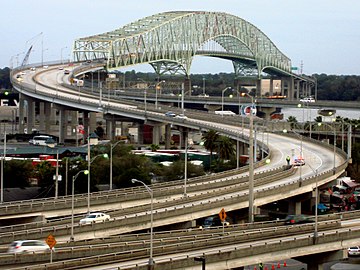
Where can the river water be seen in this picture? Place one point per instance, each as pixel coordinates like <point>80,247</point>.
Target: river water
<point>311,114</point>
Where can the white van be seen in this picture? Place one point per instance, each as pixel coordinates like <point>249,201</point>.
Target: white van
<point>307,99</point>
<point>41,140</point>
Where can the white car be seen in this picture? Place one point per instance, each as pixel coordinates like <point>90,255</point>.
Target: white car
<point>307,99</point>
<point>27,246</point>
<point>94,218</point>
<point>354,251</point>
<point>181,116</point>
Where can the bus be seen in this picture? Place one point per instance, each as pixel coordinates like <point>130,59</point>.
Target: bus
<point>41,140</point>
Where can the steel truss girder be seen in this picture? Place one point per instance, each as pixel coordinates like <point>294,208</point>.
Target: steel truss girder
<point>176,37</point>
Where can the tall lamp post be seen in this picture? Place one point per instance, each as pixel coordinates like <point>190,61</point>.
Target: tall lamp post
<point>88,174</point>
<point>251,161</point>
<point>112,146</point>
<point>145,93</point>
<point>2,169</point>
<point>222,97</point>
<point>157,87</point>
<point>151,260</point>
<point>72,202</point>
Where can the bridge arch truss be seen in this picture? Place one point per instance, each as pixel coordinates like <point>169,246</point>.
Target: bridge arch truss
<point>168,41</point>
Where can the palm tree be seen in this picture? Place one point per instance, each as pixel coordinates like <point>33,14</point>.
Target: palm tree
<point>226,147</point>
<point>292,120</point>
<point>210,138</point>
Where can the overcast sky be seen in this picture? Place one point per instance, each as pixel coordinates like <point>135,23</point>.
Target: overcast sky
<point>324,35</point>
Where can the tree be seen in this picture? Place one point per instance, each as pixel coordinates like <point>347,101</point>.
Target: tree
<point>226,147</point>
<point>292,120</point>
<point>17,173</point>
<point>210,138</point>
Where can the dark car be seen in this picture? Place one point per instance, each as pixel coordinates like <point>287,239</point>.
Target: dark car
<point>170,114</point>
<point>297,219</point>
<point>213,221</point>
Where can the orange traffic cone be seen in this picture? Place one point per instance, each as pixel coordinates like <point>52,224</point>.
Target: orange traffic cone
<point>254,267</point>
<point>273,267</point>
<point>278,265</point>
<point>285,263</point>
<point>266,268</point>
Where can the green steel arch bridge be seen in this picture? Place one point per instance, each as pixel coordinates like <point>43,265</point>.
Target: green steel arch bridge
<point>169,41</point>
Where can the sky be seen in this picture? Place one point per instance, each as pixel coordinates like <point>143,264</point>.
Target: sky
<point>319,36</point>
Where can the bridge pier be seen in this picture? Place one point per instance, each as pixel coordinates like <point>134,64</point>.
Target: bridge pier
<point>316,261</point>
<point>21,113</point>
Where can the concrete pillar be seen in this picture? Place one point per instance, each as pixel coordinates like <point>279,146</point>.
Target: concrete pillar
<point>156,134</point>
<point>297,89</point>
<point>92,122</point>
<point>271,91</point>
<point>140,133</point>
<point>42,116</point>
<point>62,125</point>
<point>86,123</point>
<point>30,115</point>
<point>110,128</point>
<point>258,88</point>
<point>21,113</point>
<point>297,208</point>
<point>48,121</point>
<point>167,136</point>
<point>74,124</point>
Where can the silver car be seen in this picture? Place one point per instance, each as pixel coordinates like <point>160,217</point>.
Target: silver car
<point>27,246</point>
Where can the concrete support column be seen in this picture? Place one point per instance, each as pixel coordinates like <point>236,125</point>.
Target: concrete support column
<point>156,134</point>
<point>48,121</point>
<point>282,86</point>
<point>258,88</point>
<point>297,208</point>
<point>62,123</point>
<point>140,133</point>
<point>42,116</point>
<point>74,124</point>
<point>30,115</point>
<point>271,91</point>
<point>297,89</point>
<point>86,122</point>
<point>167,136</point>
<point>110,128</point>
<point>21,113</point>
<point>92,122</point>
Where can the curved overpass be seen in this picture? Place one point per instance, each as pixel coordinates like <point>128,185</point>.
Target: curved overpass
<point>206,196</point>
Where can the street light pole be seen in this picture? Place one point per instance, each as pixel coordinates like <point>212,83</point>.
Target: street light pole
<point>2,168</point>
<point>157,87</point>
<point>251,161</point>
<point>72,202</point>
<point>61,54</point>
<point>151,260</point>
<point>222,98</point>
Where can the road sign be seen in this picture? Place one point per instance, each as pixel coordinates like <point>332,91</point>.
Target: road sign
<point>222,215</point>
<point>50,240</point>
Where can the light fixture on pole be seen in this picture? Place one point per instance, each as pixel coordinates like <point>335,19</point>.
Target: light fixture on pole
<point>222,97</point>
<point>151,260</point>
<point>72,202</point>
<point>204,93</point>
<point>157,88</point>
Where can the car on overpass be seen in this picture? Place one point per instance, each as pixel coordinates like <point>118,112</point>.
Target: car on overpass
<point>28,246</point>
<point>213,221</point>
<point>354,251</point>
<point>94,218</point>
<point>297,219</point>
